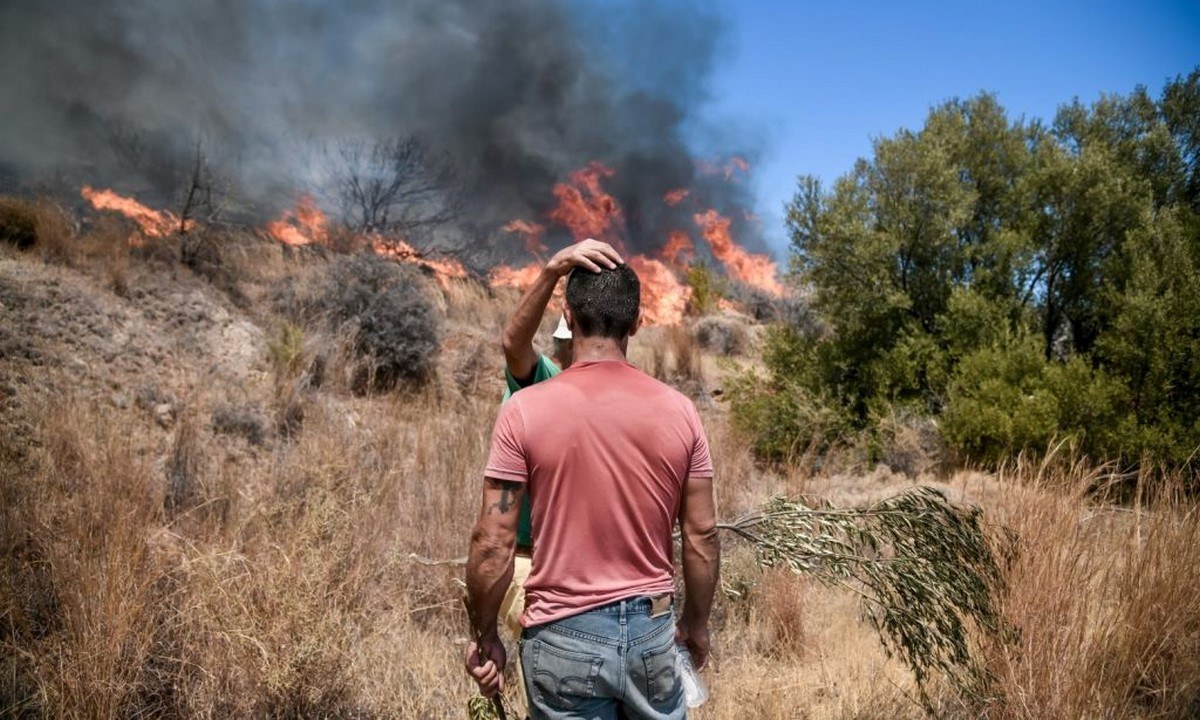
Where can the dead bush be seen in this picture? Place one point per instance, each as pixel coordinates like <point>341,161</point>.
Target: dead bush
<point>18,223</point>
<point>685,353</point>
<point>908,442</point>
<point>1103,599</point>
<point>395,327</point>
<point>722,335</point>
<point>41,223</point>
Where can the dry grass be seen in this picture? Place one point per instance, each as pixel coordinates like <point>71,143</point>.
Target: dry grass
<point>195,588</point>
<point>1105,600</point>
<point>181,572</point>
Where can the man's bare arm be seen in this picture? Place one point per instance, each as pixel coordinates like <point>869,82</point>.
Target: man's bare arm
<point>701,564</point>
<point>490,557</point>
<point>517,341</point>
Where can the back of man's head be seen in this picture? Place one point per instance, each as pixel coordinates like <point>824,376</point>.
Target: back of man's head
<point>604,304</point>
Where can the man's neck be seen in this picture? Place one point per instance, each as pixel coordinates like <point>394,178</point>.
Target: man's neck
<point>591,349</point>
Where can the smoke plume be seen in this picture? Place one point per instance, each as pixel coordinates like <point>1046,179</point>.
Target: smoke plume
<point>515,94</point>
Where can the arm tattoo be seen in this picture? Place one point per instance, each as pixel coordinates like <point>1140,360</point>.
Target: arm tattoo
<point>509,493</point>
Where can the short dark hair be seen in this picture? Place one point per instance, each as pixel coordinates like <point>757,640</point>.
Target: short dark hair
<point>604,304</point>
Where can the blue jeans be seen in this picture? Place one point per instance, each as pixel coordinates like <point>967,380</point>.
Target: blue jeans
<point>611,662</point>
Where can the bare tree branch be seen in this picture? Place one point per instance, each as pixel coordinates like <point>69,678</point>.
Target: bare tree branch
<point>394,186</point>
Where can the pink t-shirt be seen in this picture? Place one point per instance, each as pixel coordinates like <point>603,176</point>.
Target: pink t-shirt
<point>605,450</point>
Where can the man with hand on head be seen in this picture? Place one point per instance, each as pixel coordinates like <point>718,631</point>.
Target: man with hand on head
<point>611,459</point>
<point>524,366</point>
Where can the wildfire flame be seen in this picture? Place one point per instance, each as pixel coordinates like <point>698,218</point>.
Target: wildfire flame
<point>520,278</point>
<point>443,270</point>
<point>152,223</point>
<point>678,250</point>
<point>532,232</point>
<point>729,168</point>
<point>586,210</point>
<point>676,196</point>
<point>664,298</point>
<point>756,270</point>
<point>304,224</point>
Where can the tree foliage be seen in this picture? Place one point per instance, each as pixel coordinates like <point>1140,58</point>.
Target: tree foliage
<point>927,571</point>
<point>1020,281</point>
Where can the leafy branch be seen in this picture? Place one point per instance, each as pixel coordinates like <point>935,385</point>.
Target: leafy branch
<point>925,569</point>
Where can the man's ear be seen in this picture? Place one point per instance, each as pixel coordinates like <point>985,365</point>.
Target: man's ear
<point>570,316</point>
<point>637,323</point>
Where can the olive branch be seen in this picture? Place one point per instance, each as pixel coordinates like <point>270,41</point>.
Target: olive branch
<point>926,570</point>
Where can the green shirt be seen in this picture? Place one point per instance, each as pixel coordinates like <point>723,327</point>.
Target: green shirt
<point>544,369</point>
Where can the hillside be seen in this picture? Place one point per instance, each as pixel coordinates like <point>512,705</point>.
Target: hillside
<point>205,516</point>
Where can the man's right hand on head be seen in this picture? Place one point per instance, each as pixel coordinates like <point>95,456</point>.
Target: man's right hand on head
<point>589,254</point>
<point>696,640</point>
<point>485,661</point>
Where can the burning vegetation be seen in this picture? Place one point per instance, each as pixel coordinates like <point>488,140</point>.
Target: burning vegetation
<point>151,223</point>
<point>584,209</point>
<point>468,159</point>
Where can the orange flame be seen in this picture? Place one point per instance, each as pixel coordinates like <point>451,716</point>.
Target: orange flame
<point>586,209</point>
<point>756,270</point>
<point>532,232</point>
<point>153,223</point>
<point>304,224</point>
<point>676,196</point>
<point>520,278</point>
<point>678,250</point>
<point>395,249</point>
<point>664,298</point>
<point>734,164</point>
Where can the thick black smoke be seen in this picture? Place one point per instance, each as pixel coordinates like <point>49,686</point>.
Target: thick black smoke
<point>519,93</point>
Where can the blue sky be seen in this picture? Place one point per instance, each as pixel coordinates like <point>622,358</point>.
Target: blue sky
<point>816,81</point>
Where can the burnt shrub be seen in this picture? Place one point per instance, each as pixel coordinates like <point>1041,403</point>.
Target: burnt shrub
<point>394,324</point>
<point>721,335</point>
<point>756,302</point>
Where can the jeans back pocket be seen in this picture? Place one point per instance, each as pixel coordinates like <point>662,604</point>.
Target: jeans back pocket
<point>660,681</point>
<point>561,678</point>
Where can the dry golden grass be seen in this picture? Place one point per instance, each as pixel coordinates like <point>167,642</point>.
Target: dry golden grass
<point>177,572</point>
<point>1104,600</point>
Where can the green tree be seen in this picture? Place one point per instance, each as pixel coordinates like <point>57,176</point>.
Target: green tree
<point>1024,282</point>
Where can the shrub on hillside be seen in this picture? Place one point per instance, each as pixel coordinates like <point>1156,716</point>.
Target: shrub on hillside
<point>25,223</point>
<point>394,324</point>
<point>755,302</point>
<point>18,223</point>
<point>706,287</point>
<point>906,441</point>
<point>723,336</point>
<point>785,414</point>
<point>1008,399</point>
